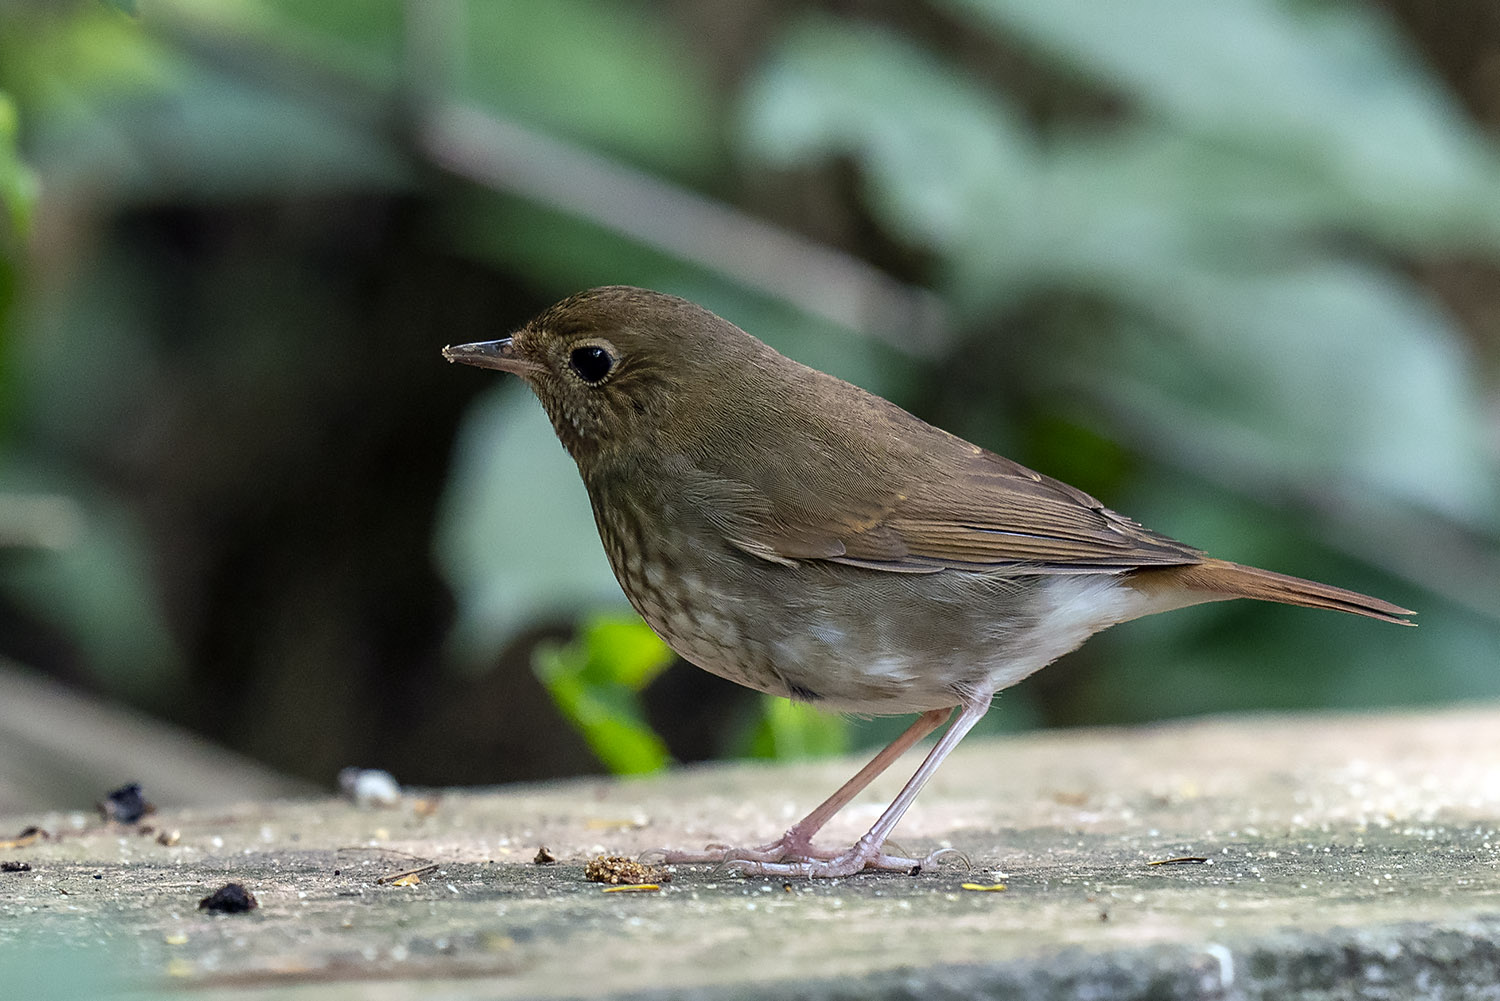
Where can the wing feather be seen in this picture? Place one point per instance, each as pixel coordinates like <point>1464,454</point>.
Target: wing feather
<point>884,490</point>
<point>988,513</point>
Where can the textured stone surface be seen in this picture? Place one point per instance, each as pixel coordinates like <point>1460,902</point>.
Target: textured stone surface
<point>1345,857</point>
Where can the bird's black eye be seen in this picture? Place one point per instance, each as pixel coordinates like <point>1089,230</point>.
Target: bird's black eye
<point>591,362</point>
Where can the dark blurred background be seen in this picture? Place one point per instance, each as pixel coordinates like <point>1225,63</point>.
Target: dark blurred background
<point>1232,267</point>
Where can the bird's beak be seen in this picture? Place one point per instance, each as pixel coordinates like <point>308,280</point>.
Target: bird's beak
<point>499,354</point>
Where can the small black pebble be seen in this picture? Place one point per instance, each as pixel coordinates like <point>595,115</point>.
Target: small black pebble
<point>231,898</point>
<point>15,866</point>
<point>98,875</point>
<point>125,805</point>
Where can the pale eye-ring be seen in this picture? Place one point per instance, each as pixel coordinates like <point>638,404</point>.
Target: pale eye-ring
<point>592,362</point>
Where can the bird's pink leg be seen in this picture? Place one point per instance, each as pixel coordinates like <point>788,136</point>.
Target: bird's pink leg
<point>796,844</point>
<point>868,851</point>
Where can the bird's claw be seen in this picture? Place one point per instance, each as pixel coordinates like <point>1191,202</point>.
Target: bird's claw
<point>785,858</point>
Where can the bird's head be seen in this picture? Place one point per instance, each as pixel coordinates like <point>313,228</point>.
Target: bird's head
<point>617,367</point>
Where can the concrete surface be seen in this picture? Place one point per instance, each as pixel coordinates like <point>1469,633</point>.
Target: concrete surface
<point>1346,857</point>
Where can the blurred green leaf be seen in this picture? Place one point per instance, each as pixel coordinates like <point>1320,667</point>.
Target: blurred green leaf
<point>216,136</point>
<point>935,149</point>
<point>793,731</point>
<point>91,579</point>
<point>565,254</point>
<point>596,681</point>
<point>559,251</point>
<point>59,65</point>
<point>362,38</point>
<point>516,537</point>
<point>18,188</point>
<point>111,107</point>
<point>1382,398</point>
<point>1318,370</point>
<point>948,165</point>
<point>623,651</point>
<point>1329,86</point>
<point>18,191</point>
<point>614,75</point>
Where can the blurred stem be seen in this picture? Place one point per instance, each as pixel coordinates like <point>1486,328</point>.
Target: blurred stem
<point>506,156</point>
<point>502,155</point>
<point>39,521</point>
<point>1423,547</point>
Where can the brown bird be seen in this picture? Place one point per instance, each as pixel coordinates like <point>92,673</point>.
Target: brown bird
<point>791,532</point>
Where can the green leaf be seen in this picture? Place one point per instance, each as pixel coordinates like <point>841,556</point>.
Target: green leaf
<point>516,538</point>
<point>114,109</point>
<point>611,74</point>
<point>934,147</point>
<point>1380,400</point>
<point>18,187</point>
<point>1329,86</point>
<point>948,165</point>
<point>623,651</point>
<point>88,573</point>
<point>565,254</point>
<point>18,191</point>
<point>1317,371</point>
<point>595,682</point>
<point>791,731</point>
<point>363,38</point>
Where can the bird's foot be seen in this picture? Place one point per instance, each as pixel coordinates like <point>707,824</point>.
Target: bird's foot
<point>790,846</point>
<point>795,857</point>
<point>865,856</point>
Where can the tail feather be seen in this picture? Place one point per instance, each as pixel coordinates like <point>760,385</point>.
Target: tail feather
<point>1222,579</point>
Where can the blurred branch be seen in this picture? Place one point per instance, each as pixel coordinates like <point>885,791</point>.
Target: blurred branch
<point>502,154</point>
<point>42,521</point>
<point>60,748</point>
<point>1423,547</point>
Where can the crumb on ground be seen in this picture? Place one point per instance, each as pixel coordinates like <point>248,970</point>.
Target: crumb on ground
<point>618,869</point>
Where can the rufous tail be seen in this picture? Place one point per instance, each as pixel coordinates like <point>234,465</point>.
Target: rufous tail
<point>1222,579</point>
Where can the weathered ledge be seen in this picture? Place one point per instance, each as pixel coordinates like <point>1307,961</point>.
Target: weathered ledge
<point>1343,856</point>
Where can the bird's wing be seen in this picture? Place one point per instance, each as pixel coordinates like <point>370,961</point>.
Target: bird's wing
<point>975,510</point>
<point>994,511</point>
